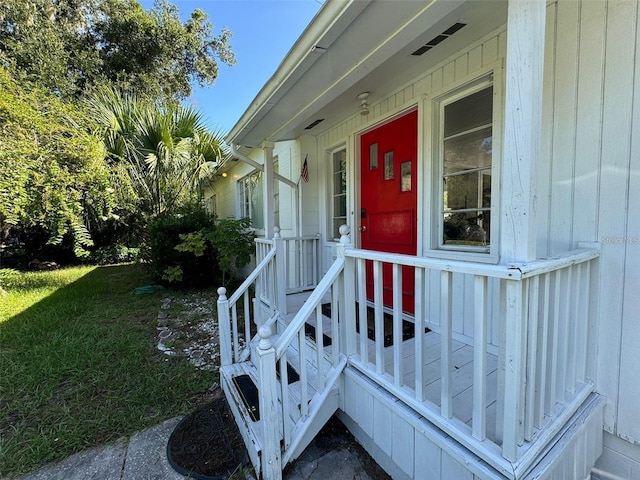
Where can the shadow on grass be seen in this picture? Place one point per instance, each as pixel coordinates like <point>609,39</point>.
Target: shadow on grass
<point>79,367</point>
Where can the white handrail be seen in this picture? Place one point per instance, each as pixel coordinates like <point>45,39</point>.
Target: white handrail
<point>309,306</point>
<point>252,277</point>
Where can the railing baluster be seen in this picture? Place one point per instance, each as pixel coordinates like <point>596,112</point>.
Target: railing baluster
<point>362,310</point>
<point>378,316</point>
<point>583,328</point>
<point>247,317</point>
<point>573,328</point>
<point>419,315</point>
<point>446,332</point>
<point>479,425</point>
<point>304,375</point>
<point>234,330</point>
<point>337,335</point>
<point>319,347</point>
<point>286,406</point>
<point>553,396</point>
<point>397,324</point>
<point>543,360</point>
<point>532,293</point>
<point>563,341</point>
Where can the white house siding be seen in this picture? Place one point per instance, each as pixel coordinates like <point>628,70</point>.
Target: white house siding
<point>590,183</point>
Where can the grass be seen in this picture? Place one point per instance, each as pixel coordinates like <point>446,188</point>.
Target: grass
<point>79,365</point>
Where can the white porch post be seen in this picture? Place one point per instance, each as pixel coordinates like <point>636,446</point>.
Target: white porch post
<point>268,200</point>
<point>268,398</point>
<point>522,125</point>
<point>521,150</point>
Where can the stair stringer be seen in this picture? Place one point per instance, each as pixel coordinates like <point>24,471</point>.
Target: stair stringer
<point>323,406</point>
<point>251,431</point>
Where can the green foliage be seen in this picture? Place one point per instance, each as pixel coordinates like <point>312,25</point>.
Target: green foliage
<point>114,254</point>
<point>72,46</point>
<point>182,269</point>
<point>233,240</point>
<point>167,150</point>
<point>52,173</point>
<point>194,249</point>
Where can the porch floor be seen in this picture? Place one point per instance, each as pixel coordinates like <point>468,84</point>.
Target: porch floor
<point>461,373</point>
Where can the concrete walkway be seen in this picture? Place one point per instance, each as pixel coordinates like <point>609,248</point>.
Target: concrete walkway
<point>143,457</point>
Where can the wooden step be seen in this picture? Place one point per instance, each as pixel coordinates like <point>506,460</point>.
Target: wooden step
<point>247,415</point>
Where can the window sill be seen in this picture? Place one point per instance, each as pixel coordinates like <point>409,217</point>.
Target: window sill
<point>463,256</point>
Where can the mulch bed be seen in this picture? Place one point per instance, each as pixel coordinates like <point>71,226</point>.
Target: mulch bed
<point>207,444</point>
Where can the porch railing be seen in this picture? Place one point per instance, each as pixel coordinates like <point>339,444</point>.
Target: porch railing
<point>520,399</point>
<point>301,258</point>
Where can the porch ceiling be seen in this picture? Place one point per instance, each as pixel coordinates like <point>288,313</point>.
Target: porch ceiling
<point>363,46</point>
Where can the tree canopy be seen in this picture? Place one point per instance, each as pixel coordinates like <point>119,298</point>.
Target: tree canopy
<point>53,175</point>
<point>73,46</point>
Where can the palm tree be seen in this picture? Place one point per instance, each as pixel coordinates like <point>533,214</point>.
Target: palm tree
<point>167,149</point>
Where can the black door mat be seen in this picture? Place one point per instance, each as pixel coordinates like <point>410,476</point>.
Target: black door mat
<point>408,328</point>
<point>206,444</point>
<point>310,331</point>
<point>249,393</point>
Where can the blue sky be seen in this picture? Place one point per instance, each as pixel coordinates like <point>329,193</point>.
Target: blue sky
<point>263,32</point>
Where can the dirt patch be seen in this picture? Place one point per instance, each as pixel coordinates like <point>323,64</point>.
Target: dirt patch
<point>206,444</point>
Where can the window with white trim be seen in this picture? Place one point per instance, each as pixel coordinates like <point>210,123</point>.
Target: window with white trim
<point>251,199</point>
<point>465,154</point>
<point>338,191</point>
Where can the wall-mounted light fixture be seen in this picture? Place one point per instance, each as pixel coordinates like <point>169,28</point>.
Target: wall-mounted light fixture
<point>223,174</point>
<point>364,106</point>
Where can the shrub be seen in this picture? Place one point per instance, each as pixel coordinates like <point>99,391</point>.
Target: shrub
<point>194,249</point>
<point>162,256</point>
<point>113,254</point>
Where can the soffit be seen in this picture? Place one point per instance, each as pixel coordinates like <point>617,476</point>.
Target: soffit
<point>367,49</point>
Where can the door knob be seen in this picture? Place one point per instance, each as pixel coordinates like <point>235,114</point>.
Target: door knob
<point>363,228</point>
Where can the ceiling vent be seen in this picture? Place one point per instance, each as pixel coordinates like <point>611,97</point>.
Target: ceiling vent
<point>440,38</point>
<point>313,124</point>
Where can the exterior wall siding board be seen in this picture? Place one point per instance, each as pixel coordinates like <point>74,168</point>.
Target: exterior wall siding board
<point>614,197</point>
<point>629,392</point>
<point>563,159</point>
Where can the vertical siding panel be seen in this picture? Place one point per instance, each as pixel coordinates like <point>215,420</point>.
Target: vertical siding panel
<point>382,427</point>
<point>616,119</point>
<point>448,73</point>
<point>475,59</point>
<point>427,458</point>
<point>564,127</point>
<point>408,93</point>
<point>403,445</point>
<point>629,413</point>
<point>546,146</point>
<point>490,51</point>
<point>461,66</point>
<point>436,80</point>
<point>588,141</point>
<point>453,469</point>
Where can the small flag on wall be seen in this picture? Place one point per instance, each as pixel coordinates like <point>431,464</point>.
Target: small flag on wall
<point>305,170</point>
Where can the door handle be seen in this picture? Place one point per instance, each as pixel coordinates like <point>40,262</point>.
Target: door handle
<point>362,228</point>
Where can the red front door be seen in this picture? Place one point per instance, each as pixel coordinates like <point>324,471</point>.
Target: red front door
<point>388,199</point>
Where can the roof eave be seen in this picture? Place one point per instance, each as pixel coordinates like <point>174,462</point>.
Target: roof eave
<point>305,50</point>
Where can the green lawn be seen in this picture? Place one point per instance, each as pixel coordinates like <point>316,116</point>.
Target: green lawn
<point>79,365</point>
